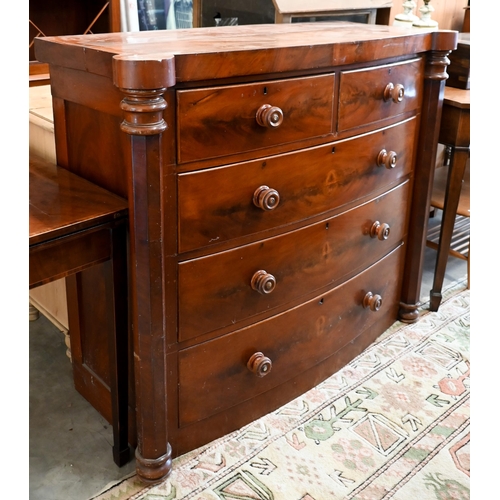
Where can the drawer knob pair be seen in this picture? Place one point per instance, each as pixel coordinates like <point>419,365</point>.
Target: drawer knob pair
<point>372,301</point>
<point>387,159</point>
<point>266,198</point>
<point>263,282</point>
<point>259,364</point>
<point>269,116</point>
<point>380,231</point>
<point>394,92</point>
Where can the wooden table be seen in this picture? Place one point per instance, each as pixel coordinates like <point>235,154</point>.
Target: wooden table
<point>75,225</point>
<point>455,133</point>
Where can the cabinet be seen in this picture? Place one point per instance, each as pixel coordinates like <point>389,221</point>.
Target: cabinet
<point>360,11</point>
<point>278,181</point>
<point>287,11</point>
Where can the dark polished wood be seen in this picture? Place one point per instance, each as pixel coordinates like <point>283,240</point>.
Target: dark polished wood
<point>217,122</point>
<point>295,342</point>
<point>230,213</point>
<point>75,225</point>
<point>260,171</point>
<point>62,204</point>
<point>459,69</point>
<point>455,133</point>
<point>306,260</point>
<point>370,95</point>
<point>434,83</point>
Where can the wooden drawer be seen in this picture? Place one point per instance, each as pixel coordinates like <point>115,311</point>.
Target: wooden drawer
<point>225,288</point>
<point>219,121</point>
<point>214,376</point>
<point>217,204</point>
<point>366,95</point>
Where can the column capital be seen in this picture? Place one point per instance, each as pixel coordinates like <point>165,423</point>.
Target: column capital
<point>143,112</point>
<point>143,80</point>
<point>143,72</point>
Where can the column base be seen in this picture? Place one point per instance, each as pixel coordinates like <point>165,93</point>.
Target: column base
<point>408,313</point>
<point>154,470</point>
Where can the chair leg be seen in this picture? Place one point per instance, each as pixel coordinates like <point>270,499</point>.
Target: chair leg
<point>468,269</point>
<point>453,188</point>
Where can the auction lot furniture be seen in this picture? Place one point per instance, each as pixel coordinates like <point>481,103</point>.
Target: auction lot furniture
<point>75,225</point>
<point>278,179</point>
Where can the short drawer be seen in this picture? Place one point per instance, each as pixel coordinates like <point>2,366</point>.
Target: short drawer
<point>216,375</point>
<point>224,203</point>
<point>227,287</point>
<point>371,95</point>
<point>219,121</point>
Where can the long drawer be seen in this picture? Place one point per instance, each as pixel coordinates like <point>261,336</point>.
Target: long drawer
<point>224,372</point>
<point>223,203</point>
<point>370,95</point>
<point>227,287</point>
<point>219,121</point>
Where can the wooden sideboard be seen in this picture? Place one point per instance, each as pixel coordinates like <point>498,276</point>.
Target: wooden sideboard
<point>278,180</point>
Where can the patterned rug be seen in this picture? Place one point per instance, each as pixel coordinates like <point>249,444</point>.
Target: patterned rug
<point>393,423</point>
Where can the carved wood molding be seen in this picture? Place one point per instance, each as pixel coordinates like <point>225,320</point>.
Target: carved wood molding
<point>434,79</point>
<point>143,80</point>
<point>144,72</point>
<point>143,112</point>
<point>437,62</point>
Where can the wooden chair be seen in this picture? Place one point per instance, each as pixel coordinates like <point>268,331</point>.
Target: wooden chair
<point>451,191</point>
<point>74,225</point>
<point>460,238</point>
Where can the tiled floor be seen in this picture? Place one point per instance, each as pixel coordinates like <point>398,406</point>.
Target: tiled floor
<point>70,443</point>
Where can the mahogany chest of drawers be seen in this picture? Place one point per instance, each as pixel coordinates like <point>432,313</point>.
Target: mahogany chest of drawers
<point>278,182</point>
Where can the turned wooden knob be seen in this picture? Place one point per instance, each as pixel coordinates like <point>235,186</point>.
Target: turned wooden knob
<point>269,116</point>
<point>394,92</point>
<point>380,231</point>
<point>263,282</point>
<point>387,159</point>
<point>373,302</point>
<point>266,198</point>
<point>259,364</point>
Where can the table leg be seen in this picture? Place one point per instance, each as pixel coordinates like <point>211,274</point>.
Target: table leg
<point>118,344</point>
<point>456,172</point>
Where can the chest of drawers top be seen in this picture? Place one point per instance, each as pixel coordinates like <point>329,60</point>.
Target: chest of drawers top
<point>163,58</point>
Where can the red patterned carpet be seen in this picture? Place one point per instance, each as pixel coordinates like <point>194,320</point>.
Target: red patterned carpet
<point>393,423</point>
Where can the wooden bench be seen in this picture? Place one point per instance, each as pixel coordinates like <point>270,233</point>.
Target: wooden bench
<point>74,225</point>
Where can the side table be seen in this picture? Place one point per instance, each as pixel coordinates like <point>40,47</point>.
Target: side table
<point>74,225</point>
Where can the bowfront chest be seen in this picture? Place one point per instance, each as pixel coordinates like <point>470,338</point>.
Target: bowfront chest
<point>278,181</point>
